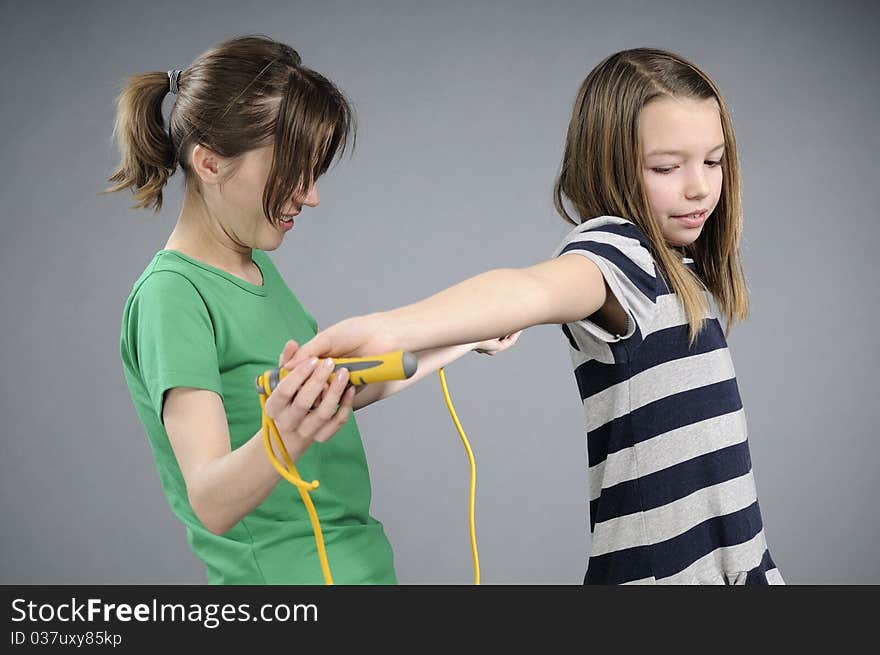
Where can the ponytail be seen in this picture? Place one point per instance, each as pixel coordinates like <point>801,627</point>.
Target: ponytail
<point>148,157</point>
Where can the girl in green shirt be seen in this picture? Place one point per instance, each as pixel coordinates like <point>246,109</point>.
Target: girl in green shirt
<point>252,129</point>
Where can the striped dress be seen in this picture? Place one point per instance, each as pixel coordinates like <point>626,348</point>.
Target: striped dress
<point>672,495</point>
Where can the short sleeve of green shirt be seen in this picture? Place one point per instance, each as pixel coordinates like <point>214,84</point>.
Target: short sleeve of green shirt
<point>173,342</point>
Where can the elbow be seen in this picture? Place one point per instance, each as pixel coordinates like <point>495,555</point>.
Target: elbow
<point>208,515</point>
<point>215,526</point>
<point>217,529</point>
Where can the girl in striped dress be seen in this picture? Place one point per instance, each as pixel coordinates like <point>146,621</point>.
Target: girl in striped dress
<point>651,182</point>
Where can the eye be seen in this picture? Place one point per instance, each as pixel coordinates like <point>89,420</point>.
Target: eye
<point>664,170</point>
<point>713,163</point>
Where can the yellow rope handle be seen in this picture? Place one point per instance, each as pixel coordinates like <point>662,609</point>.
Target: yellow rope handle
<point>473,485</point>
<point>292,476</point>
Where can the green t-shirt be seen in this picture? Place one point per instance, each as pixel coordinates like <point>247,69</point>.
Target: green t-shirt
<point>188,324</point>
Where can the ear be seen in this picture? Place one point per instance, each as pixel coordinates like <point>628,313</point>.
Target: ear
<point>206,164</point>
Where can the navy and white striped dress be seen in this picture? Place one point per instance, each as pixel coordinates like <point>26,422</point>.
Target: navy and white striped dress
<point>672,495</point>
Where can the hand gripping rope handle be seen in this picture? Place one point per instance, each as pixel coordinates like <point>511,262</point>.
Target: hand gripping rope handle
<point>398,365</point>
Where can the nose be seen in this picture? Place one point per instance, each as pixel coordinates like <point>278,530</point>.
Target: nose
<point>312,198</point>
<point>696,185</point>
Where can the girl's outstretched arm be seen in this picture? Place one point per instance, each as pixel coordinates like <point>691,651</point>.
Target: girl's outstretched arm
<point>429,361</point>
<point>501,301</point>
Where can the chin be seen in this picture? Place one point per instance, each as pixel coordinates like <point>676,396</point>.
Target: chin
<point>686,241</point>
<point>681,238</point>
<point>267,244</point>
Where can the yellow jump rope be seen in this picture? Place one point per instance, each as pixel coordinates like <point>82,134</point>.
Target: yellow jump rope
<point>398,365</point>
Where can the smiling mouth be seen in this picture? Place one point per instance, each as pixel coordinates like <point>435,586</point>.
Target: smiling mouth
<point>693,215</point>
<point>287,219</point>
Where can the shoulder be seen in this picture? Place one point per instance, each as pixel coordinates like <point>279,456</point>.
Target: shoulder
<point>165,311</point>
<point>165,287</point>
<point>611,238</point>
<point>610,225</point>
<point>613,230</point>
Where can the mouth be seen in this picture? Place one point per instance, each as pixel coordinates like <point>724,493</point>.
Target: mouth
<point>694,219</point>
<point>286,221</point>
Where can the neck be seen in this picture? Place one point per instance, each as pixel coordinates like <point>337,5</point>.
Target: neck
<point>200,235</point>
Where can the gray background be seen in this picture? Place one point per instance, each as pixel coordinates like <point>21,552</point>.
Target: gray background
<point>462,109</point>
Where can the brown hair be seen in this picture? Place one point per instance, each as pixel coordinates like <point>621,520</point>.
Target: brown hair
<point>244,93</point>
<point>601,174</point>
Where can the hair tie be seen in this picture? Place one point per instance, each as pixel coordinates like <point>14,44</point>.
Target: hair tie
<point>172,81</point>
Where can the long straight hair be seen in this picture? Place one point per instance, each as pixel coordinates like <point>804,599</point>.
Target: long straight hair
<point>242,94</point>
<point>601,174</point>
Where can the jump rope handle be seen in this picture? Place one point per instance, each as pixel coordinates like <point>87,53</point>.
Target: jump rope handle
<point>397,365</point>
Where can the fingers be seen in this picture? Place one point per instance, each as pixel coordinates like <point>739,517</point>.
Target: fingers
<point>307,395</point>
<point>320,396</point>
<point>289,349</point>
<point>305,407</point>
<point>287,388</point>
<point>318,346</point>
<point>339,419</point>
<point>324,420</point>
<point>500,344</point>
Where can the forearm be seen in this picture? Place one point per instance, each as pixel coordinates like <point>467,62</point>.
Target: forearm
<point>489,305</point>
<point>229,487</point>
<point>429,361</point>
